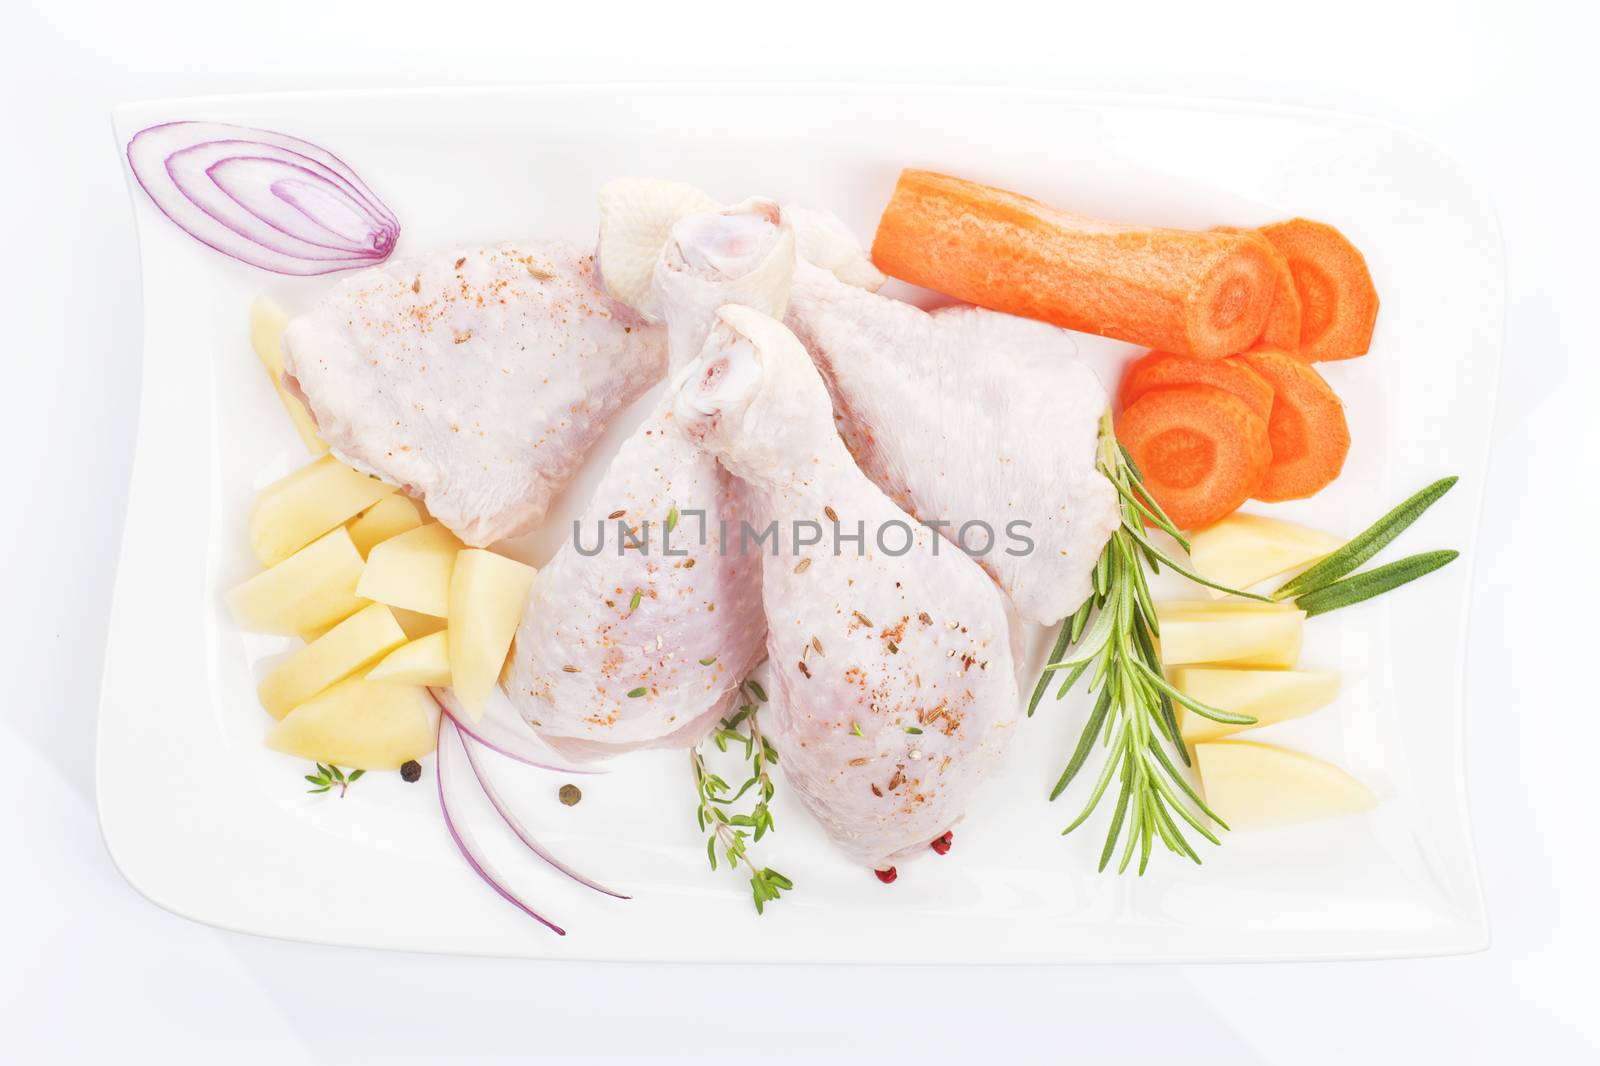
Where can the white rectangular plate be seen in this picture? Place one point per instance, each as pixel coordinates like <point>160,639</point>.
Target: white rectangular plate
<point>207,823</point>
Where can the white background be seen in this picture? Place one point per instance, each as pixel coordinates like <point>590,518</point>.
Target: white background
<point>90,970</point>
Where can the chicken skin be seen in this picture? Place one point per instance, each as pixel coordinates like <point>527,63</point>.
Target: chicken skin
<point>971,416</point>
<point>476,380</point>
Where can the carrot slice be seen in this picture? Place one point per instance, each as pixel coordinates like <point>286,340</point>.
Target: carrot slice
<point>1163,369</point>
<point>1200,294</point>
<point>1282,330</point>
<point>1309,435</point>
<point>1202,451</point>
<point>1338,302</point>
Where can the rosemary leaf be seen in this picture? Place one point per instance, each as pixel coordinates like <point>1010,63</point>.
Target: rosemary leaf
<point>1117,817</point>
<point>1063,638</point>
<point>1091,731</point>
<point>1216,714</point>
<point>1179,568</point>
<point>1099,787</point>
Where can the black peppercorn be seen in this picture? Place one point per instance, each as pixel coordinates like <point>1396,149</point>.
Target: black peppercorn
<point>411,770</point>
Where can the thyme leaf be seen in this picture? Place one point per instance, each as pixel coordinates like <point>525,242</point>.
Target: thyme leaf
<point>328,777</point>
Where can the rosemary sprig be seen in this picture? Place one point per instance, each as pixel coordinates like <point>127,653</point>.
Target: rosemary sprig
<point>1112,638</point>
<point>1370,583</point>
<point>1364,546</point>
<point>330,775</point>
<point>732,834</point>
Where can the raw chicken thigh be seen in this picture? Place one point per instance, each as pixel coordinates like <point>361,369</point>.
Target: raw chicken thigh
<point>647,646</point>
<point>476,380</point>
<point>963,415</point>
<point>895,671</point>
<point>966,415</point>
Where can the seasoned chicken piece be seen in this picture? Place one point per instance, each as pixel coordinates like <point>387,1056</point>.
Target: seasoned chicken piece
<point>894,662</point>
<point>961,416</point>
<point>646,646</point>
<point>475,379</point>
<point>966,415</point>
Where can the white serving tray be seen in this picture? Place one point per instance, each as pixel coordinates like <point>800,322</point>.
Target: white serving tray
<point>207,823</point>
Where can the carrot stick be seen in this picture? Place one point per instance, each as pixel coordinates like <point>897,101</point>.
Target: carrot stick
<point>1200,294</point>
<point>1307,428</point>
<point>1163,369</point>
<point>1338,303</point>
<point>1282,330</point>
<point>1202,451</point>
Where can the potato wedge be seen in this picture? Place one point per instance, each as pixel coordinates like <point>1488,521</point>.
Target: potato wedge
<point>488,593</point>
<point>294,511</point>
<point>412,570</point>
<point>425,661</point>
<point>1258,786</point>
<point>267,323</point>
<point>1236,633</point>
<point>363,638</point>
<point>1267,695</point>
<point>389,517</point>
<point>310,590</point>
<point>369,725</point>
<point>1245,549</point>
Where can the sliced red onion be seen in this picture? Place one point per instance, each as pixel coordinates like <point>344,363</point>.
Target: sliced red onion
<point>516,826</point>
<point>264,198</point>
<point>445,768</point>
<point>513,738</point>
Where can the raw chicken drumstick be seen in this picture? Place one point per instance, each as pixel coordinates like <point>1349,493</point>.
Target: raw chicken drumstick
<point>962,415</point>
<point>893,665</point>
<point>476,380</point>
<point>637,647</point>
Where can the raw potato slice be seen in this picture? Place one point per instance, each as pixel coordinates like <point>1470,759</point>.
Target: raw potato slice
<point>369,725</point>
<point>1266,695</point>
<point>1243,634</point>
<point>488,593</point>
<point>389,517</point>
<point>309,591</point>
<point>1245,549</point>
<point>267,323</point>
<point>341,651</point>
<point>1258,786</point>
<point>412,570</point>
<point>422,662</point>
<point>294,511</point>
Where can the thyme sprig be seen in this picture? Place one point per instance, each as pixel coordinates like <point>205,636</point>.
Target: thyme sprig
<point>732,834</point>
<point>1133,713</point>
<point>330,775</point>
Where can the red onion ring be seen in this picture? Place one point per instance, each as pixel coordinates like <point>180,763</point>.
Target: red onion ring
<point>516,826</point>
<point>444,768</point>
<point>513,741</point>
<point>263,198</point>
